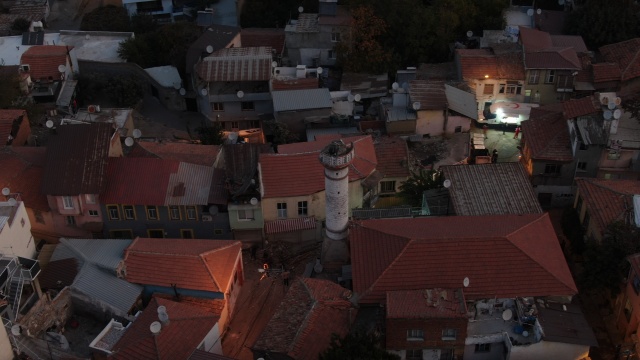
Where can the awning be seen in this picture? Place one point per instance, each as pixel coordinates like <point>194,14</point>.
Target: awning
<point>289,225</point>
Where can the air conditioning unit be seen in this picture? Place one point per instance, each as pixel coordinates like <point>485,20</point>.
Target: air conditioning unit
<point>207,218</point>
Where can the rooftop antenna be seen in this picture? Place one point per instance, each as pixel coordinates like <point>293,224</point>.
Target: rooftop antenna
<point>137,133</point>
<point>209,49</point>
<point>129,141</point>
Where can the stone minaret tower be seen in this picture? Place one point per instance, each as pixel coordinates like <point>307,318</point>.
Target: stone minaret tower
<point>336,158</point>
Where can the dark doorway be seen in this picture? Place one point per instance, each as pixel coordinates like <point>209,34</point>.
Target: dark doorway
<point>192,104</point>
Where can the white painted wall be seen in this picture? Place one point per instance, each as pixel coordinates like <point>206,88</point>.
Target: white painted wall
<point>15,236</point>
<point>212,342</point>
<point>336,184</point>
<point>549,350</point>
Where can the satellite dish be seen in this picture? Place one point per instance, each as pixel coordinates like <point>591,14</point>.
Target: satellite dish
<point>213,209</point>
<point>617,113</point>
<point>465,282</point>
<point>183,91</point>
<point>162,309</point>
<point>49,124</point>
<point>204,92</point>
<point>607,114</point>
<point>6,191</point>
<point>357,97</point>
<point>539,11</point>
<point>300,9</point>
<point>87,36</point>
<point>16,330</point>
<point>469,33</point>
<point>254,201</point>
<point>416,105</point>
<point>319,70</point>
<point>350,98</point>
<point>447,184</point>
<point>405,85</point>
<point>274,64</point>
<point>176,85</point>
<point>530,12</point>
<point>137,133</point>
<point>209,49</point>
<point>395,86</point>
<point>155,327</point>
<point>62,68</point>
<point>129,141</point>
<point>12,201</point>
<point>611,105</point>
<point>507,315</point>
<point>240,94</point>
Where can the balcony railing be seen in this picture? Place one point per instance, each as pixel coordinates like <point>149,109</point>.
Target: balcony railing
<point>30,268</point>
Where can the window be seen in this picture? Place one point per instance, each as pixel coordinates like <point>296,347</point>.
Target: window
<point>302,208</point>
<point>174,212</point>
<point>114,212</point>
<point>446,354</point>
<point>246,214</point>
<point>582,166</point>
<point>414,354</point>
<point>247,106</point>
<point>90,198</point>
<point>186,233</point>
<point>565,83</point>
<point>552,169</point>
<point>192,214</point>
<point>152,213</point>
<point>93,212</point>
<point>511,87</point>
<point>282,210</point>
<point>449,334</point>
<point>335,36</point>
<point>235,125</point>
<point>70,220</point>
<point>534,76</point>
<point>218,106</point>
<point>488,89</point>
<point>483,348</point>
<point>387,186</point>
<point>129,212</point>
<point>414,335</point>
<point>156,233</point>
<point>37,214</point>
<point>331,54</point>
<point>67,202</point>
<point>551,76</point>
<point>218,231</point>
<point>628,309</point>
<point>121,234</point>
<point>254,124</point>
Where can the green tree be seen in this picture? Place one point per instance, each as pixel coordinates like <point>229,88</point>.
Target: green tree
<point>143,23</point>
<point>602,22</point>
<point>21,25</point>
<point>419,182</point>
<point>212,134</point>
<point>261,13</point>
<point>356,346</point>
<point>605,262</point>
<point>280,132</point>
<point>106,18</point>
<point>9,87</point>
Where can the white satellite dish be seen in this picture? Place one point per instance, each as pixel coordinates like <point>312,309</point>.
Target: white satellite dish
<point>607,114</point>
<point>446,183</point>
<point>617,113</point>
<point>6,191</point>
<point>320,70</point>
<point>129,141</point>
<point>300,9</point>
<point>395,86</point>
<point>611,105</point>
<point>16,330</point>
<point>240,94</point>
<point>162,309</point>
<point>49,124</point>
<point>507,315</point>
<point>176,85</point>
<point>213,210</point>
<point>416,106</point>
<point>87,36</point>
<point>183,91</point>
<point>350,98</point>
<point>254,201</point>
<point>357,97</point>
<point>469,33</point>
<point>465,282</point>
<point>209,49</point>
<point>137,133</point>
<point>530,12</point>
<point>12,201</point>
<point>204,92</point>
<point>155,327</point>
<point>539,11</point>
<point>274,64</point>
<point>62,68</point>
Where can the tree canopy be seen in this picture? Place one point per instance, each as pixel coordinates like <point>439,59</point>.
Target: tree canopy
<point>419,182</point>
<point>21,25</point>
<point>106,18</point>
<point>356,346</point>
<point>261,13</point>
<point>602,22</point>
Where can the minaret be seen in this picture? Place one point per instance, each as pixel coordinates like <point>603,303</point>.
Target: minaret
<point>336,158</point>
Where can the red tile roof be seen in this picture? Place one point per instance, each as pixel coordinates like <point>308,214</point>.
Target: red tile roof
<point>534,40</point>
<point>236,64</point>
<point>626,54</point>
<point>290,225</point>
<point>138,181</point>
<point>430,94</point>
<point>22,172</point>
<point>77,159</point>
<point>254,37</point>
<point>188,326</point>
<point>43,61</point>
<point>553,59</point>
<point>296,170</point>
<point>190,264</point>
<point>607,200</point>
<point>606,72</point>
<point>476,63</point>
<point>569,41</point>
<point>14,123</point>
<point>543,51</point>
<point>302,326</point>
<point>426,304</point>
<point>392,154</point>
<point>205,155</point>
<point>495,252</point>
<point>580,107</point>
<point>511,65</point>
<point>546,134</point>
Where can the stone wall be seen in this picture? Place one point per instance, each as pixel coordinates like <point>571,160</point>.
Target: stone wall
<point>50,310</point>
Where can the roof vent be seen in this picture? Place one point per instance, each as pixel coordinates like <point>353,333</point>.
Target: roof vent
<point>155,327</point>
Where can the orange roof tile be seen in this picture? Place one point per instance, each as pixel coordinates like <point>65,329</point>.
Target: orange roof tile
<point>626,54</point>
<point>392,154</point>
<point>477,63</point>
<point>580,107</point>
<point>188,326</point>
<point>607,200</point>
<point>190,264</point>
<point>503,256</point>
<point>606,72</point>
<point>302,325</point>
<point>22,172</point>
<point>205,155</point>
<point>511,65</point>
<point>43,61</point>
<point>254,37</point>
<point>426,304</point>
<point>534,40</point>
<point>430,94</point>
<point>138,181</point>
<point>547,136</point>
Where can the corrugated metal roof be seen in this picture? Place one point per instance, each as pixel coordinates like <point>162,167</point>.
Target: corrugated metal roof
<point>105,253</point>
<point>189,186</point>
<point>66,94</point>
<point>305,99</point>
<point>106,288</point>
<point>3,221</point>
<point>237,64</point>
<point>290,225</point>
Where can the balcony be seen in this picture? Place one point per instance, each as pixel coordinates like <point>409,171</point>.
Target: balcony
<point>30,268</point>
